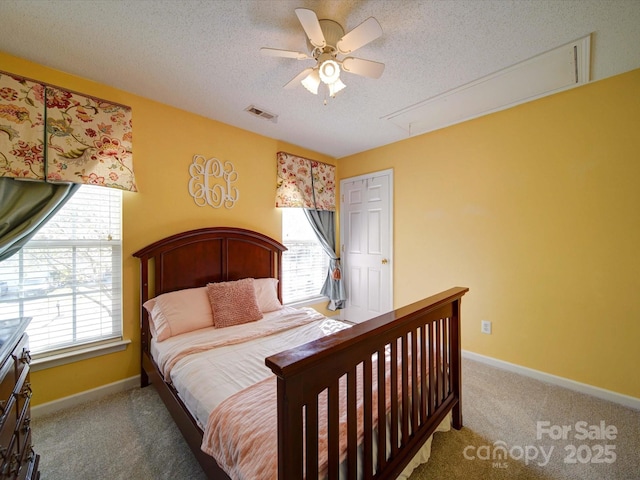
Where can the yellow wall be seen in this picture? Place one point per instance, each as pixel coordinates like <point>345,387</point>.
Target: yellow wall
<point>165,140</point>
<point>537,210</point>
<point>534,208</point>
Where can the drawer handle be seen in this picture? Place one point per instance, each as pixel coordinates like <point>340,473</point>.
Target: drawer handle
<point>26,390</point>
<point>26,425</point>
<point>15,464</point>
<point>26,356</point>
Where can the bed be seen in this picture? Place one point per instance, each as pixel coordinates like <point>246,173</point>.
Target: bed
<point>340,401</point>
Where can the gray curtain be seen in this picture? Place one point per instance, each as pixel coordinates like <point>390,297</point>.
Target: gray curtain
<point>25,207</point>
<point>323,225</point>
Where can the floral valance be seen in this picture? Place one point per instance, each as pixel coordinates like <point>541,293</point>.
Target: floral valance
<point>51,134</point>
<point>305,183</point>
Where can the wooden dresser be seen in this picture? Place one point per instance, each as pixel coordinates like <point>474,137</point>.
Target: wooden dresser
<point>19,461</point>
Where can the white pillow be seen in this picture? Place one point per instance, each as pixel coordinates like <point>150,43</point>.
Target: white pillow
<point>267,294</point>
<point>179,312</point>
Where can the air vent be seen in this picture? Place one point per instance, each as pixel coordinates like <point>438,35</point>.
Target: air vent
<point>258,112</point>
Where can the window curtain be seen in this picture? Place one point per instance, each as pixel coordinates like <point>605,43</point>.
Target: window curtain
<point>25,207</point>
<point>57,139</point>
<point>308,184</point>
<point>323,224</point>
<point>50,134</point>
<point>305,183</point>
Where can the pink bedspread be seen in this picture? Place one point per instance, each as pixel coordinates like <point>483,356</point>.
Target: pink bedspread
<point>241,433</point>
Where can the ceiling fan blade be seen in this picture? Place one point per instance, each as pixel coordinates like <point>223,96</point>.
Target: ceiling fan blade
<point>366,68</point>
<point>311,26</point>
<point>298,78</point>
<point>364,33</point>
<point>275,52</point>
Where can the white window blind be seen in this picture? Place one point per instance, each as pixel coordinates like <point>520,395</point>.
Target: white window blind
<point>305,263</point>
<point>68,276</point>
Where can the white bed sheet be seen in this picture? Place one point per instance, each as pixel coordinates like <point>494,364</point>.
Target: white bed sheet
<point>205,379</point>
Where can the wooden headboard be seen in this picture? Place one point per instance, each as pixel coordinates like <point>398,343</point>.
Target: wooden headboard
<point>217,254</point>
<point>197,257</point>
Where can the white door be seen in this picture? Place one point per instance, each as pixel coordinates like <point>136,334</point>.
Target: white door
<point>366,245</point>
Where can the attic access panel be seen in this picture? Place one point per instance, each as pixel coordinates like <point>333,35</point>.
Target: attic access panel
<point>545,74</point>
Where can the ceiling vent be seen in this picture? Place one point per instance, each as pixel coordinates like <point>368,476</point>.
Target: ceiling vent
<point>258,112</point>
<point>548,73</point>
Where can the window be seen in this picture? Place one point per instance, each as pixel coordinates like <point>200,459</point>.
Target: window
<point>68,276</point>
<point>305,263</point>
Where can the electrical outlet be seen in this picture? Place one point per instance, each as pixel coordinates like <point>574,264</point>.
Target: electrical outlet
<point>486,327</point>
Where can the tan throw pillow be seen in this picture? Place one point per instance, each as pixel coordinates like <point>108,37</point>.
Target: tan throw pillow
<point>233,303</point>
<point>267,294</point>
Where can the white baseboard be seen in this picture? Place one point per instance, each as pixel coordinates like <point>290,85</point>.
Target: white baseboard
<point>86,396</point>
<point>615,397</point>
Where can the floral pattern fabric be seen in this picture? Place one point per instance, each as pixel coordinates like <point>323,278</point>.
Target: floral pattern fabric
<point>65,136</point>
<point>305,183</point>
<point>21,129</point>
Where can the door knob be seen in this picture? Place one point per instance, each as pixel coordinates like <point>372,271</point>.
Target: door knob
<point>385,261</point>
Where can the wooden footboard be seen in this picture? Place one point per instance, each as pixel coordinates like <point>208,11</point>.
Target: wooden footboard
<point>420,380</point>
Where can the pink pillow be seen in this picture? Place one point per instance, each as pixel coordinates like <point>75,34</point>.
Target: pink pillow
<point>179,312</point>
<point>267,294</point>
<point>148,305</point>
<point>233,303</point>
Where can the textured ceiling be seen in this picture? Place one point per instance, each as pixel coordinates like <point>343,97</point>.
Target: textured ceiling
<point>203,55</point>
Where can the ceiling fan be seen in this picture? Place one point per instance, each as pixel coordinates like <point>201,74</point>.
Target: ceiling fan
<point>329,47</point>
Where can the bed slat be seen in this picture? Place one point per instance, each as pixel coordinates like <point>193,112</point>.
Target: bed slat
<point>382,396</point>
<point>367,460</point>
<point>352,425</point>
<point>334,433</point>
<point>415,384</point>
<point>311,422</point>
<point>424,393</point>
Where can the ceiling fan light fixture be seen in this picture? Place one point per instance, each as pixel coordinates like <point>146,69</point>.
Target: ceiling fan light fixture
<point>336,87</point>
<point>312,81</point>
<point>329,71</point>
<point>326,40</point>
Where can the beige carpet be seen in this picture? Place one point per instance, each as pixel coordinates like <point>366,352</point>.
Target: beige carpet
<point>500,406</point>
<point>131,436</point>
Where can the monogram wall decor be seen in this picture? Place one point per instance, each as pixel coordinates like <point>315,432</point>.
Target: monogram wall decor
<point>211,182</point>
